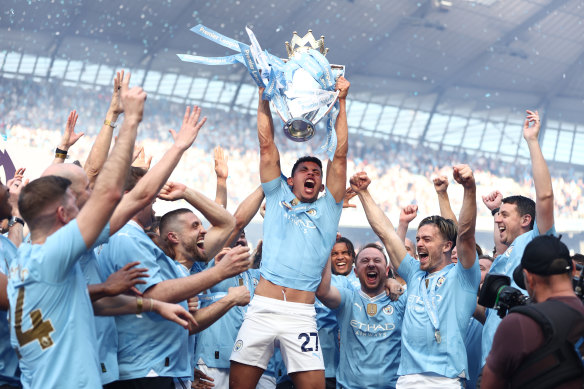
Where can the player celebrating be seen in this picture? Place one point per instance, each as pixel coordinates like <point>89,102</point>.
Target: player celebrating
<point>299,232</point>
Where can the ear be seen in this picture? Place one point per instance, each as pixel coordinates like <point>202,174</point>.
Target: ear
<point>525,220</point>
<point>62,215</point>
<point>322,188</point>
<point>387,271</point>
<point>289,181</point>
<point>447,247</point>
<point>172,237</point>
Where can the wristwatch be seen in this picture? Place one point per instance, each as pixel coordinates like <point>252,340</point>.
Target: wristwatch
<point>14,220</point>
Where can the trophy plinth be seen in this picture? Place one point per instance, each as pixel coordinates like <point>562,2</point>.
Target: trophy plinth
<point>299,129</point>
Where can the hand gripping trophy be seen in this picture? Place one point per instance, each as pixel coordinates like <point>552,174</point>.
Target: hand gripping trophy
<point>301,87</point>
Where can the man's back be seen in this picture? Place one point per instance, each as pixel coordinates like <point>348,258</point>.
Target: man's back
<point>150,342</point>
<point>42,278</point>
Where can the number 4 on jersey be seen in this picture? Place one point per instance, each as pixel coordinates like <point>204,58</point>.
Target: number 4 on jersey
<point>41,330</point>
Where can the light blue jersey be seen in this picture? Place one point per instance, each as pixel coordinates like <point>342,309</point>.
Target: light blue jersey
<point>472,341</point>
<point>105,326</point>
<point>370,339</point>
<point>328,329</point>
<point>46,283</point>
<point>297,238</point>
<point>9,372</point>
<point>453,291</point>
<point>214,344</point>
<point>148,343</point>
<point>506,264</point>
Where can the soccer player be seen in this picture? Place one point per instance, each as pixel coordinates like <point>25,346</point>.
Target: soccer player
<point>370,323</point>
<point>299,232</point>
<point>520,220</point>
<point>51,316</point>
<point>441,296</point>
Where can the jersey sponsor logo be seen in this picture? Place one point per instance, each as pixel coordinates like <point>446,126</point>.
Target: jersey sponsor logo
<point>388,310</point>
<point>417,303</point>
<point>371,309</point>
<point>440,281</point>
<point>371,327</point>
<point>299,222</point>
<point>238,345</point>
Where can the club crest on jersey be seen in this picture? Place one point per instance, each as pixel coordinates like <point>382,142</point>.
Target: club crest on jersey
<point>255,282</point>
<point>388,310</point>
<point>311,212</point>
<point>371,309</point>
<point>285,204</point>
<point>440,281</point>
<point>238,345</point>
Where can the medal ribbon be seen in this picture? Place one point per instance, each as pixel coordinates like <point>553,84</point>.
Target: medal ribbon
<point>430,299</point>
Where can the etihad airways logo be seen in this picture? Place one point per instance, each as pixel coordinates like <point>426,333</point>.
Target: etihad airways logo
<point>372,327</point>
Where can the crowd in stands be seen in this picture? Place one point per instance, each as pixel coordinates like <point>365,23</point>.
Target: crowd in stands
<point>397,167</point>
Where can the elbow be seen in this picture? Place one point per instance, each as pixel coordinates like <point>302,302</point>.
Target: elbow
<point>547,196</point>
<point>113,195</point>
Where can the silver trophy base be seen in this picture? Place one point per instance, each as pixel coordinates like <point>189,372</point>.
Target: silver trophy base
<point>299,129</point>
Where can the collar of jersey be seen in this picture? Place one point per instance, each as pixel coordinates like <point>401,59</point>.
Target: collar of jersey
<point>380,296</point>
<point>135,224</point>
<point>440,272</point>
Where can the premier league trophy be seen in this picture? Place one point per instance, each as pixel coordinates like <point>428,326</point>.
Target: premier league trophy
<point>301,88</point>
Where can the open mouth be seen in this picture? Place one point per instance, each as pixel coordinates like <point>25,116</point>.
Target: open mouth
<point>201,243</point>
<point>309,185</point>
<point>423,257</point>
<point>371,276</point>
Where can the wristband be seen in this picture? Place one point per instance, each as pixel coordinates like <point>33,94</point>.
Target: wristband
<point>14,220</point>
<point>109,123</point>
<point>139,305</point>
<point>62,154</point>
<point>495,211</point>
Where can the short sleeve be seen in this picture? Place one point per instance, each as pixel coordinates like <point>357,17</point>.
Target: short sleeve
<point>470,278</point>
<point>60,252</point>
<point>345,298</point>
<point>408,267</point>
<point>124,249</point>
<point>271,187</point>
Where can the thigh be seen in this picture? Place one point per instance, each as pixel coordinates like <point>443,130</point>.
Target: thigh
<point>243,376</point>
<point>254,344</point>
<point>313,379</point>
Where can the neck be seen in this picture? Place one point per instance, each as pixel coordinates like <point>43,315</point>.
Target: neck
<point>563,289</point>
<point>185,260</point>
<point>445,261</point>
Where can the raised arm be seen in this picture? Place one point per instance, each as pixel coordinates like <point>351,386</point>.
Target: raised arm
<point>15,185</point>
<point>245,212</point>
<point>465,241</point>
<point>180,289</point>
<point>222,172</point>
<point>378,220</point>
<point>269,155</point>
<point>222,222</point>
<point>69,138</point>
<point>441,186</point>
<point>99,150</point>
<point>108,186</point>
<point>493,202</point>
<point>326,293</point>
<point>148,187</point>
<point>544,194</point>
<point>407,214</point>
<point>336,175</point>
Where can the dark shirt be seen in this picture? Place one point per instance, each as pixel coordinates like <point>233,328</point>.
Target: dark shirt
<point>518,336</point>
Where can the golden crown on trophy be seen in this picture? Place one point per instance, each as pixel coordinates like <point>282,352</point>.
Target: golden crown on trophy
<point>298,44</point>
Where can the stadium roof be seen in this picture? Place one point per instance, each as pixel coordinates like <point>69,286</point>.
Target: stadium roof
<point>456,61</point>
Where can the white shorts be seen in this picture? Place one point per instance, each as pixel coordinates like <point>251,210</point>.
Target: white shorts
<point>220,376</point>
<point>271,323</point>
<point>428,381</point>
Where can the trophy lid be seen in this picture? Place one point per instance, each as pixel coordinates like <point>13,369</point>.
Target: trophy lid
<point>298,44</point>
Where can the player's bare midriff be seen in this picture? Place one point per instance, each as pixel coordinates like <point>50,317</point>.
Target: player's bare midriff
<point>268,289</point>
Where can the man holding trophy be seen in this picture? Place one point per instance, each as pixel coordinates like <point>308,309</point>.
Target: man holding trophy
<point>299,227</point>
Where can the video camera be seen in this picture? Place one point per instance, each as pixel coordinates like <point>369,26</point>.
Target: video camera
<point>497,294</point>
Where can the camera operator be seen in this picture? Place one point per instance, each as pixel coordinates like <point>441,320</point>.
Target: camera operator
<point>532,340</point>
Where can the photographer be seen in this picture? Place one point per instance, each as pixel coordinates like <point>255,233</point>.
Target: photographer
<point>534,345</point>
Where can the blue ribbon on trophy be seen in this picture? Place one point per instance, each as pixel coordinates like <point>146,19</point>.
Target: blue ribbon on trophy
<point>300,88</point>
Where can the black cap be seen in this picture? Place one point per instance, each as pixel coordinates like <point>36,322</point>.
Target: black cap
<point>545,255</point>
